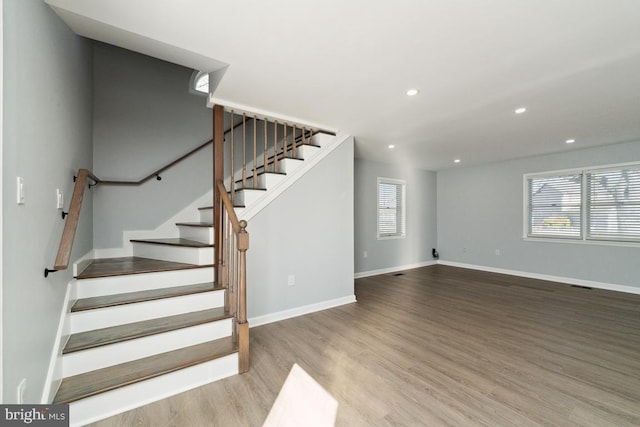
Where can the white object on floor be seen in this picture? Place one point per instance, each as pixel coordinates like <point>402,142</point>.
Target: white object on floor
<point>302,402</point>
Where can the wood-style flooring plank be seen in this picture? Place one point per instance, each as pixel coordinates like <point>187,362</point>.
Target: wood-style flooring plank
<point>113,334</point>
<point>174,241</point>
<point>440,346</point>
<point>102,380</point>
<point>141,296</point>
<point>106,267</point>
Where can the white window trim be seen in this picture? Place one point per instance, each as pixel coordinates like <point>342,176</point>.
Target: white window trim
<point>584,240</point>
<point>404,207</point>
<point>195,76</point>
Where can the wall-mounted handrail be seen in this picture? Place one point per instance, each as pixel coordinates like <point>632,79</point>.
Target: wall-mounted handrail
<point>71,222</point>
<point>155,173</point>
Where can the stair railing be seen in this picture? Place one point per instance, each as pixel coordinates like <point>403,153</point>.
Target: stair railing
<point>258,144</point>
<point>232,272</point>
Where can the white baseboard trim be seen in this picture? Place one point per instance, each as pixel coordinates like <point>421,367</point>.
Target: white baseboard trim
<point>299,311</point>
<point>54,373</point>
<point>560,279</point>
<point>393,269</point>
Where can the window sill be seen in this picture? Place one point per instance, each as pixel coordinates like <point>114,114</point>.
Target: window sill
<point>581,241</point>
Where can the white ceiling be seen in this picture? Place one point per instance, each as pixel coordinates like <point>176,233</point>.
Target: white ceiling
<point>575,64</point>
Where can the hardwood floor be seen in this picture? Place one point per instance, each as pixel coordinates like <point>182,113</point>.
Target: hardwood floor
<point>440,346</point>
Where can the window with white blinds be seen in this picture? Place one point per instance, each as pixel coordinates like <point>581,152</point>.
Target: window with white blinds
<point>554,203</point>
<point>613,203</point>
<point>590,204</point>
<point>391,208</point>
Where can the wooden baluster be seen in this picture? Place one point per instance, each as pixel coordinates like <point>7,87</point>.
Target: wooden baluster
<point>294,141</point>
<point>243,325</point>
<point>275,146</point>
<point>255,152</point>
<point>264,161</point>
<point>244,150</point>
<point>285,144</point>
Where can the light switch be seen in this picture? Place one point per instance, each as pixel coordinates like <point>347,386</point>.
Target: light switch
<point>20,190</point>
<point>59,198</point>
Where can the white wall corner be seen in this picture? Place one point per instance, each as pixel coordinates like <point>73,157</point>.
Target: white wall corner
<point>547,277</point>
<point>81,263</point>
<point>54,373</point>
<point>300,311</point>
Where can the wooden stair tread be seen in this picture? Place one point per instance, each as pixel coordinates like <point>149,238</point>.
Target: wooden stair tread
<point>141,296</point>
<point>114,334</point>
<point>174,241</point>
<point>99,381</point>
<point>107,267</point>
<point>195,224</point>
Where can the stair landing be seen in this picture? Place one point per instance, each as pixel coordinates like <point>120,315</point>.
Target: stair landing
<point>107,267</point>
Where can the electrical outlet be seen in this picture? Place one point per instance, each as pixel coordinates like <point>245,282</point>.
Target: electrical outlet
<point>292,280</point>
<point>365,254</point>
<point>20,391</point>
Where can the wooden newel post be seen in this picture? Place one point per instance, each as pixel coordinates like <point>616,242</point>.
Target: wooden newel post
<point>242,324</point>
<point>218,175</point>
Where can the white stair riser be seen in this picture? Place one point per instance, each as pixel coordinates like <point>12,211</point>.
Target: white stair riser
<point>321,139</point>
<point>248,197</point>
<point>198,256</point>
<point>199,234</point>
<point>100,286</point>
<point>268,180</point>
<point>88,320</point>
<point>289,165</point>
<point>113,354</point>
<point>123,399</point>
<point>206,215</point>
<point>307,151</point>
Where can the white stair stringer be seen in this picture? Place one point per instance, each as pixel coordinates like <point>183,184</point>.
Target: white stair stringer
<point>82,361</point>
<point>87,320</point>
<point>188,255</point>
<point>116,401</point>
<point>101,286</point>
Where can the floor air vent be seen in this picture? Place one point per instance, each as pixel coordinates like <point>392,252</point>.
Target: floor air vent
<point>398,274</point>
<point>581,287</point>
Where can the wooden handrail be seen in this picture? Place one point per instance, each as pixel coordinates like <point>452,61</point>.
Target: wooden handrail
<point>226,201</point>
<point>155,173</point>
<point>71,224</point>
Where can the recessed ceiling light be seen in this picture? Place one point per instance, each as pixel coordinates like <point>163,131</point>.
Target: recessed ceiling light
<point>456,161</point>
<point>412,92</point>
<point>391,146</point>
<point>570,141</point>
<point>520,110</point>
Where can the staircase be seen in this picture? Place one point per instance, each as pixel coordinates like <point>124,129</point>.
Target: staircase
<point>156,323</point>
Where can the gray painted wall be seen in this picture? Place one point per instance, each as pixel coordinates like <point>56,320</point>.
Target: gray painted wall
<point>144,117</point>
<point>421,233</point>
<point>47,137</point>
<point>308,232</point>
<point>481,209</point>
